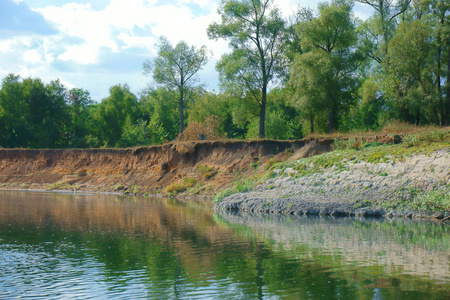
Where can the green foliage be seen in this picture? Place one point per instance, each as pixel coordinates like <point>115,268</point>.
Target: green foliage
<point>282,119</point>
<point>254,30</point>
<point>33,114</point>
<point>138,134</point>
<point>112,115</point>
<point>175,68</point>
<point>206,171</point>
<point>420,200</point>
<point>323,78</point>
<point>419,139</point>
<point>241,185</point>
<point>176,188</point>
<point>159,109</point>
<point>81,126</point>
<point>227,108</point>
<point>333,72</point>
<point>369,111</point>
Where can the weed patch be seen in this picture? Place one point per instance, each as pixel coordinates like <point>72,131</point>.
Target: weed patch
<point>179,187</point>
<point>240,186</point>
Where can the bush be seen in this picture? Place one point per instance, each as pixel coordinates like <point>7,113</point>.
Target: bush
<point>175,188</point>
<point>179,187</point>
<point>209,129</point>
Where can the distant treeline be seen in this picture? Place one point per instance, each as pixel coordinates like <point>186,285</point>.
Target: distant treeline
<point>331,72</point>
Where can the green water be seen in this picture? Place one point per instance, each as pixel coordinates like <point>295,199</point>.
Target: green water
<point>66,246</point>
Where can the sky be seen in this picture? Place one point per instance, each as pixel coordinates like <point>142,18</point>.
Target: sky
<point>95,44</point>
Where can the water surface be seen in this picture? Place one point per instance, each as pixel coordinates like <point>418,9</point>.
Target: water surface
<point>59,246</point>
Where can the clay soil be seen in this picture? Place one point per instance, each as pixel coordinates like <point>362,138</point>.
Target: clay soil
<point>208,166</point>
<point>142,170</point>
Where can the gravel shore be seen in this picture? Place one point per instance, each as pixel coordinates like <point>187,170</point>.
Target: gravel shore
<point>359,188</point>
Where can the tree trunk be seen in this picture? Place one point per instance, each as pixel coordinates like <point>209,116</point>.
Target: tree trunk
<point>438,78</point>
<point>446,116</point>
<point>262,113</point>
<point>181,111</point>
<point>330,120</point>
<point>436,117</point>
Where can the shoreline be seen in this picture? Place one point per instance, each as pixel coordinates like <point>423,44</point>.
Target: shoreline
<point>405,187</point>
<point>373,177</point>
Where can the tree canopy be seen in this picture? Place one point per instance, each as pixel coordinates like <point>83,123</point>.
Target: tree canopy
<point>176,69</point>
<point>254,30</point>
<point>317,71</point>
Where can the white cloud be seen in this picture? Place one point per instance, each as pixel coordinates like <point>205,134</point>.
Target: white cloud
<point>94,47</point>
<point>132,41</point>
<point>32,56</point>
<point>5,45</point>
<point>89,38</point>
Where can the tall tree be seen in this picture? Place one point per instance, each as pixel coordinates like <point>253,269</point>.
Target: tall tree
<point>14,113</point>
<point>439,11</point>
<point>113,112</point>
<point>80,104</point>
<point>57,117</point>
<point>324,78</point>
<point>383,22</point>
<point>254,29</point>
<point>175,68</point>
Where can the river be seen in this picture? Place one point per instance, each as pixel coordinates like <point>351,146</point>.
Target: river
<point>94,246</point>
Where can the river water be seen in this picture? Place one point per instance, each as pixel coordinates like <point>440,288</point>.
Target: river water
<point>72,246</point>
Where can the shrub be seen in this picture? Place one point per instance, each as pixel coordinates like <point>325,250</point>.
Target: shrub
<point>209,129</point>
<point>190,182</point>
<point>175,188</point>
<point>206,171</point>
<point>179,187</point>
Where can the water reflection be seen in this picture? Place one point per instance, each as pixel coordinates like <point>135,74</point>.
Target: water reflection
<point>84,246</point>
<point>396,246</point>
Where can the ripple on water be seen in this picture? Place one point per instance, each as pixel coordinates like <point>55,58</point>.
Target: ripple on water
<point>30,273</point>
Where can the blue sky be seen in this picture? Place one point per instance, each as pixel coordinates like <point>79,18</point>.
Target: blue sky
<point>95,44</point>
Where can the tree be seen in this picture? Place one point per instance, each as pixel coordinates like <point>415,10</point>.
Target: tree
<point>439,10</point>
<point>324,78</point>
<point>80,104</point>
<point>160,112</point>
<point>13,113</point>
<point>255,30</point>
<point>383,23</point>
<point>410,82</point>
<point>57,119</point>
<point>175,68</point>
<point>113,113</point>
<point>221,106</point>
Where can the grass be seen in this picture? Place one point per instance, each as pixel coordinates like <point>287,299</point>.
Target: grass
<point>391,128</point>
<point>419,200</point>
<point>206,171</point>
<point>179,187</point>
<point>239,186</point>
<point>66,185</point>
<point>340,159</point>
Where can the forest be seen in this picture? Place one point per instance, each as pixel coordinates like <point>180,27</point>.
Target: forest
<point>319,71</point>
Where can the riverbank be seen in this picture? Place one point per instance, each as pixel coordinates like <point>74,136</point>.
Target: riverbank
<point>372,180</point>
<point>183,168</point>
<point>378,175</point>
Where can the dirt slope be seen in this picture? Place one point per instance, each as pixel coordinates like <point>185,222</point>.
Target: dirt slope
<point>213,165</point>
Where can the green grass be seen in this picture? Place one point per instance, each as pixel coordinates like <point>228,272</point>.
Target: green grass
<point>434,200</point>
<point>240,186</point>
<point>206,171</point>
<point>340,159</point>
